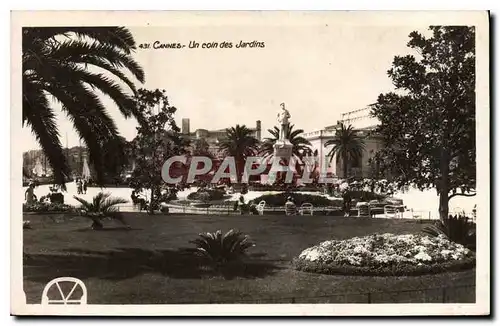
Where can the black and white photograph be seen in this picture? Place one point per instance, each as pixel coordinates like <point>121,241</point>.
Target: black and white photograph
<point>204,163</point>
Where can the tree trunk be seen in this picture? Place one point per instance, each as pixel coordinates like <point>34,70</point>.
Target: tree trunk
<point>344,159</point>
<point>151,201</point>
<point>443,205</point>
<point>444,185</point>
<point>96,224</point>
<point>240,170</point>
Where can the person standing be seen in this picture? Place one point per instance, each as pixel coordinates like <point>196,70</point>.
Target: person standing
<point>79,186</point>
<point>85,186</point>
<point>290,207</point>
<point>346,197</point>
<point>29,195</point>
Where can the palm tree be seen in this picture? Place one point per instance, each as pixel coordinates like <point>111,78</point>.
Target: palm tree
<point>347,144</point>
<point>240,144</point>
<point>100,207</point>
<point>56,64</point>
<point>300,144</point>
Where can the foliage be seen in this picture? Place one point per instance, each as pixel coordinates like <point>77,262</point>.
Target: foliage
<point>388,254</point>
<point>55,64</point>
<point>57,198</point>
<point>207,194</point>
<point>456,228</point>
<point>200,147</point>
<point>158,139</point>
<point>101,206</point>
<point>240,144</point>
<point>43,207</point>
<point>393,270</point>
<point>347,145</point>
<point>277,200</point>
<point>223,248</point>
<point>53,197</point>
<point>361,195</point>
<point>428,125</point>
<point>300,144</point>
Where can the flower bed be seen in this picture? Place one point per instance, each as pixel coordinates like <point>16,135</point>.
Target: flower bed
<point>207,194</point>
<point>41,207</point>
<point>386,254</point>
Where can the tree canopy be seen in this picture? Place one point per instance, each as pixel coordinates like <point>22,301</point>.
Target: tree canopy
<point>55,68</point>
<point>428,123</point>
<point>158,139</point>
<point>348,145</point>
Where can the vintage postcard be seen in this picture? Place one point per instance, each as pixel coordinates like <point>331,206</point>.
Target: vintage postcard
<point>250,163</point>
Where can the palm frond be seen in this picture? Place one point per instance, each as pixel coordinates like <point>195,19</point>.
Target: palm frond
<point>55,65</point>
<point>73,49</point>
<point>222,248</point>
<point>40,117</point>
<point>85,204</point>
<point>118,37</point>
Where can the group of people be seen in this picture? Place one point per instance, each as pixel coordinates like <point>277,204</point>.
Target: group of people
<point>250,208</point>
<point>81,186</point>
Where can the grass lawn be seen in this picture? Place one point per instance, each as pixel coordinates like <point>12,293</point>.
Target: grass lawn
<point>148,264</point>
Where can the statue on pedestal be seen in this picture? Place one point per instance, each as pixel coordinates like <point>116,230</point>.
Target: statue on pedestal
<point>284,119</point>
<point>283,147</point>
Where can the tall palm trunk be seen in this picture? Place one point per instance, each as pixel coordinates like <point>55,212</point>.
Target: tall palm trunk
<point>240,169</point>
<point>346,163</point>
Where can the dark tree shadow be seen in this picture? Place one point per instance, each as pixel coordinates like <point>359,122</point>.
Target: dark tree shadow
<point>124,263</point>
<point>108,229</point>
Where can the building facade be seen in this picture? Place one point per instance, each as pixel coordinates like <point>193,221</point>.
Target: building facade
<point>364,123</point>
<point>213,137</point>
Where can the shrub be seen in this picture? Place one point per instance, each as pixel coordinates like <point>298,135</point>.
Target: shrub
<point>456,228</point>
<point>298,198</point>
<point>56,197</point>
<point>101,206</point>
<point>43,207</point>
<point>170,195</point>
<point>223,248</point>
<point>207,194</point>
<point>365,196</point>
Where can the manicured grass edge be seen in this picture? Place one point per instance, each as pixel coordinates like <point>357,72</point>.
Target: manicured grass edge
<point>394,270</point>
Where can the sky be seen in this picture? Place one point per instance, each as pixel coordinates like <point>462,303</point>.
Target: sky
<point>319,71</point>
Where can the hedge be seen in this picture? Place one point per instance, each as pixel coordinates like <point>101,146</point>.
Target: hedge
<point>298,198</point>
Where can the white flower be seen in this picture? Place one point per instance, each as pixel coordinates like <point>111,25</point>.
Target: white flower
<point>446,252</point>
<point>386,249</point>
<point>354,260</point>
<point>359,249</point>
<point>427,241</point>
<point>423,256</point>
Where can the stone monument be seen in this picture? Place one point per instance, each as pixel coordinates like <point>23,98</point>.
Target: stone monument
<point>283,147</point>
